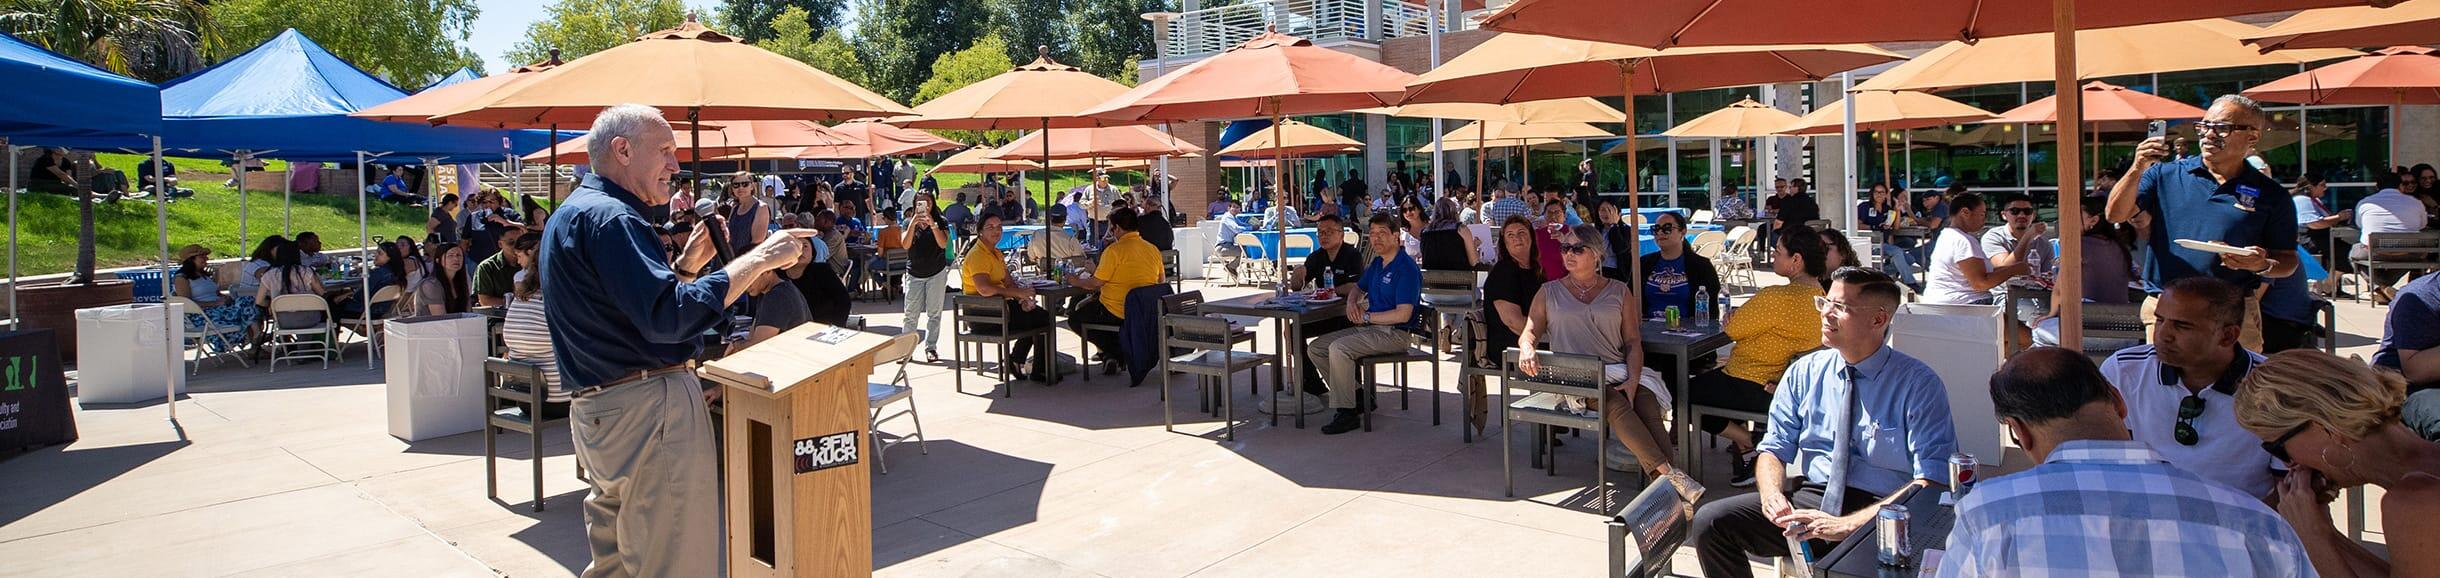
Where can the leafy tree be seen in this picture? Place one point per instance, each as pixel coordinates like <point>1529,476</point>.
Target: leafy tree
<point>410,44</point>
<point>138,38</point>
<point>793,38</point>
<point>1112,33</point>
<point>580,27</point>
<point>758,20</point>
<point>1030,25</point>
<point>986,58</point>
<point>899,39</point>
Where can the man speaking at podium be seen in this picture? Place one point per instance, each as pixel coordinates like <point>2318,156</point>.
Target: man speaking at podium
<point>624,328</point>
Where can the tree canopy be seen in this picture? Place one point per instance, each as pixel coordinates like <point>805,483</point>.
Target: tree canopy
<point>410,44</point>
<point>759,20</point>
<point>792,36</point>
<point>985,59</point>
<point>899,39</point>
<point>580,27</point>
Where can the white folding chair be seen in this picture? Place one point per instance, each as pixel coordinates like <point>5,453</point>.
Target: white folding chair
<point>202,333</point>
<point>371,331</point>
<point>1710,244</point>
<point>879,395</point>
<point>302,341</point>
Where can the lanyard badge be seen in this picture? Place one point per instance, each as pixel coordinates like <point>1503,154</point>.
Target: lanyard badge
<point>2247,196</point>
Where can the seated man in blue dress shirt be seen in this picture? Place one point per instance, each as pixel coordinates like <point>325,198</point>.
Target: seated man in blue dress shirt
<point>1849,463</point>
<point>2089,494</point>
<point>626,328</point>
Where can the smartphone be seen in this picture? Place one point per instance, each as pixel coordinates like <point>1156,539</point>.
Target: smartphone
<point>2156,129</point>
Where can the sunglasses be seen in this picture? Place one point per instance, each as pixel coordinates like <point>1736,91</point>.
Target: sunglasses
<point>2020,211</point>
<point>1666,228</point>
<point>2203,126</point>
<point>2187,410</point>
<point>1825,305</point>
<point>1576,248</point>
<point>2278,447</point>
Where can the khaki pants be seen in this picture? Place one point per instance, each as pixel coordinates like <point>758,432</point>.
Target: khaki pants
<point>655,505</point>
<point>2250,338</point>
<point>1336,354</point>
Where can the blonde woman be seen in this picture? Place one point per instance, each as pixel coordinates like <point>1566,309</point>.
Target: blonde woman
<point>2335,422</point>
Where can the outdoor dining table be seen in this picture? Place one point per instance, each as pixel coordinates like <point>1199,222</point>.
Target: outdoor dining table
<point>1288,340</point>
<point>1927,527</point>
<point>1692,339</point>
<point>1270,242</point>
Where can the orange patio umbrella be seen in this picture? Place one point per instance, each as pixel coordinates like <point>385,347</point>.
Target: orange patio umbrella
<point>1111,142</point>
<point>886,140</point>
<point>1669,24</point>
<point>2109,52</point>
<point>2408,22</point>
<point>1580,109</point>
<point>2394,76</point>
<point>1886,110</point>
<point>1041,95</point>
<point>2103,103</point>
<point>1523,135</point>
<point>422,106</point>
<point>688,71</point>
<point>979,160</point>
<point>1295,140</point>
<point>1744,119</point>
<point>573,152</point>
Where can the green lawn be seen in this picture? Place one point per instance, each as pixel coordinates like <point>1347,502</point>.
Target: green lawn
<point>124,232</point>
<point>1060,182</point>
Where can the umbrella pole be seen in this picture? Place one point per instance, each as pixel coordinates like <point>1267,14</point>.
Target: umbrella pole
<point>1046,190</point>
<point>553,183</point>
<point>1479,163</point>
<point>694,132</point>
<point>1279,172</point>
<point>1884,134</point>
<point>242,157</point>
<point>1635,262</point>
<point>12,231</point>
<point>2071,110</point>
<point>363,233</point>
<point>169,323</point>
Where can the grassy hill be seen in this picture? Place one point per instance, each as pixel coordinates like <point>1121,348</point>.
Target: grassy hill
<point>124,231</point>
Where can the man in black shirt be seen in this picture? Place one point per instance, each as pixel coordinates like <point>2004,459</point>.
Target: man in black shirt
<point>53,173</point>
<point>778,306</point>
<point>855,196</point>
<point>1798,207</point>
<point>1154,224</point>
<point>1351,192</point>
<point>1335,262</point>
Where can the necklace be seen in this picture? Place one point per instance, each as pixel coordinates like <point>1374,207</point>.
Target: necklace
<point>1582,293</point>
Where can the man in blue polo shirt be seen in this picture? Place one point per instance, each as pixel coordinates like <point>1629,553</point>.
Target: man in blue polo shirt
<point>2215,197</point>
<point>1383,309</point>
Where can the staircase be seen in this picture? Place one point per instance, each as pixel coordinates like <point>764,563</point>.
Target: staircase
<point>534,180</point>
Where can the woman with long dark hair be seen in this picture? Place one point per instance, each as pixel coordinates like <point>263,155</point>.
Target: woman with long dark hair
<point>288,275</point>
<point>2108,268</point>
<point>445,290</point>
<point>1508,295</point>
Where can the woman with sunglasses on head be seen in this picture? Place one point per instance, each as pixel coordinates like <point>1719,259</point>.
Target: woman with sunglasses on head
<point>1583,313</point>
<point>1508,293</point>
<point>2336,424</point>
<point>1672,275</point>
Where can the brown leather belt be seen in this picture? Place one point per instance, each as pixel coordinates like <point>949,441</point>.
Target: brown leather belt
<point>639,375</point>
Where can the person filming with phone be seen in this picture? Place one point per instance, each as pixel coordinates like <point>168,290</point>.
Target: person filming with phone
<point>2213,201</point>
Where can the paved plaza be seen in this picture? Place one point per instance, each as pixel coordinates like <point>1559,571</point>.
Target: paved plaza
<point>293,474</point>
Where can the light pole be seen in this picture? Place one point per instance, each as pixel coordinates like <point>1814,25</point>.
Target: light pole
<point>1160,36</point>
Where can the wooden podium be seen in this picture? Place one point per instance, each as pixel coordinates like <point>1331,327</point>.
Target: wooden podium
<point>797,488</point>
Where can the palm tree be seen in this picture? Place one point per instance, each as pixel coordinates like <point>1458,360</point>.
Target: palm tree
<point>123,36</point>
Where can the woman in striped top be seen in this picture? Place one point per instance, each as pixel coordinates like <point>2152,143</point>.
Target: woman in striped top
<point>527,332</point>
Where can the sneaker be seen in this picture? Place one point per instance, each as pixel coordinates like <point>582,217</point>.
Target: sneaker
<point>1346,421</point>
<point>1741,472</point>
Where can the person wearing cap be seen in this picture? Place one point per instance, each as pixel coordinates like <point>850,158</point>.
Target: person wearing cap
<point>197,281</point>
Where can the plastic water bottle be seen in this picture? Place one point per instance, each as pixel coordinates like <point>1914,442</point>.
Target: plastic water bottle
<point>1702,306</point>
<point>1330,279</point>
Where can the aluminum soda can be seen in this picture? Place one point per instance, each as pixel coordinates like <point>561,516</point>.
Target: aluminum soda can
<point>1961,473</point>
<point>1672,315</point>
<point>1889,528</point>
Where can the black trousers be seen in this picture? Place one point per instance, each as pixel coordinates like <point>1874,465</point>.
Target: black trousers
<point>1311,375</point>
<point>1721,390</point>
<point>1091,311</point>
<point>2282,335</point>
<point>1020,319</point>
<point>1728,530</point>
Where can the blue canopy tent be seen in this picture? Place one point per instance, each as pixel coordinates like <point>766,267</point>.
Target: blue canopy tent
<point>53,99</point>
<point>463,74</point>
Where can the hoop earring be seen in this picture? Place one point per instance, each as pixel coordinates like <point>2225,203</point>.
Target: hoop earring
<point>2351,457</point>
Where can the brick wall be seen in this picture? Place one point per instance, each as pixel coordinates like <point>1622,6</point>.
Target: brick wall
<point>1414,53</point>
<point>1198,177</point>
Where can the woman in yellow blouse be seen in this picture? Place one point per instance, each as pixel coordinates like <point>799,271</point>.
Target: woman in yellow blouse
<point>1772,328</point>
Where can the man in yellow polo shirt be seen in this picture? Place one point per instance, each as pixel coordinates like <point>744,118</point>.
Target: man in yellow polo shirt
<point>1126,264</point>
<point>986,273</point>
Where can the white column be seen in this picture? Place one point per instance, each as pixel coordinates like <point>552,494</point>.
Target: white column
<point>1846,155</point>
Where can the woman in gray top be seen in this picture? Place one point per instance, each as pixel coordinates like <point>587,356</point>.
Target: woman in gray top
<point>1584,313</point>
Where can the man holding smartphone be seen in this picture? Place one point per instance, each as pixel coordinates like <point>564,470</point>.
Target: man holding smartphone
<point>2215,198</point>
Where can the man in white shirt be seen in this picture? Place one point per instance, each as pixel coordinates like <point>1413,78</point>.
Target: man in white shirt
<point>1960,272</point>
<point>2387,211</point>
<point>2180,389</point>
<point>2005,245</point>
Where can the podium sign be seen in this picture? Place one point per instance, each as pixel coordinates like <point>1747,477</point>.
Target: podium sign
<point>798,491</point>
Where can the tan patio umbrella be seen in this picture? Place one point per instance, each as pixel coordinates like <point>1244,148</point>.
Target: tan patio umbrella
<point>688,71</point>
<point>1581,109</point>
<point>1885,110</point>
<point>733,140</point>
<point>2132,50</point>
<point>422,106</point>
<point>2408,22</point>
<point>887,140</point>
<point>1526,67</point>
<point>1295,140</point>
<point>1110,142</point>
<point>1523,135</point>
<point>1670,24</point>
<point>1742,119</point>
<point>1042,95</point>
<point>979,160</point>
<point>1272,75</point>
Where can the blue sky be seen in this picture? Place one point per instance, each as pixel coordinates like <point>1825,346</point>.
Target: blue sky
<point>503,23</point>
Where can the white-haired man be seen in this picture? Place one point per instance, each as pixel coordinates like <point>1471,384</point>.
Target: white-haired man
<point>627,327</point>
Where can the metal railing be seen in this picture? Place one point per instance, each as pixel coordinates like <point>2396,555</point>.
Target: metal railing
<point>1212,30</point>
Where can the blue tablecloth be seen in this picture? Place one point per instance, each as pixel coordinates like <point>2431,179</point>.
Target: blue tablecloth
<point>1014,236</point>
<point>1270,243</point>
<point>1649,212</point>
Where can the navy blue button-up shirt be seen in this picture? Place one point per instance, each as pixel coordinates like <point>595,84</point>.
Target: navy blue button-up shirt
<point>615,306</point>
<point>2186,202</point>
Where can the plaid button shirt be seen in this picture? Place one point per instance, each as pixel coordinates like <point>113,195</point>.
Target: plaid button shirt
<point>2115,508</point>
<point>1506,207</point>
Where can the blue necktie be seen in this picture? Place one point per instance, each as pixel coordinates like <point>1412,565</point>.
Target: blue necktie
<point>1834,492</point>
